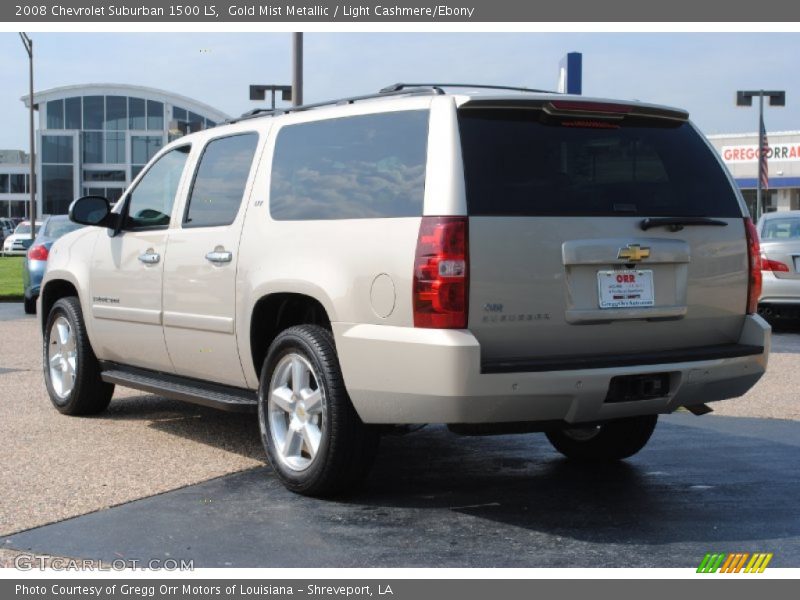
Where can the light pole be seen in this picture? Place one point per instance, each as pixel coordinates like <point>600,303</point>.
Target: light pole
<point>28,43</point>
<point>745,98</point>
<point>297,69</point>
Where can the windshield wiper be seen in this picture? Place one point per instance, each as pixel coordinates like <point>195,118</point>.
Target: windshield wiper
<point>678,223</point>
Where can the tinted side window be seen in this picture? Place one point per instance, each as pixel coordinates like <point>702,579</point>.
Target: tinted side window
<point>150,202</point>
<point>220,180</point>
<point>351,168</point>
<point>526,163</point>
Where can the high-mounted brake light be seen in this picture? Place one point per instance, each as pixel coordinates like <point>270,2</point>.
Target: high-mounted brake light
<point>441,273</point>
<point>590,107</point>
<point>38,252</point>
<point>755,279</point>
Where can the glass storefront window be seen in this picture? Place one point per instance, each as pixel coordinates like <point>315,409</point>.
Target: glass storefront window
<point>72,113</point>
<point>179,114</point>
<point>116,113</point>
<point>56,149</point>
<point>93,146</point>
<point>136,114</point>
<point>91,176</point>
<point>3,183</point>
<point>56,188</point>
<point>115,147</point>
<point>155,115</point>
<point>144,147</point>
<point>195,122</point>
<point>55,114</point>
<point>93,112</point>
<point>19,183</point>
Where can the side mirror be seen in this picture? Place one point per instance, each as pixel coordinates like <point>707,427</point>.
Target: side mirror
<point>92,210</point>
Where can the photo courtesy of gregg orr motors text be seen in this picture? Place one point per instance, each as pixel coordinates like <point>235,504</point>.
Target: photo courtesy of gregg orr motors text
<point>185,589</point>
<point>212,11</point>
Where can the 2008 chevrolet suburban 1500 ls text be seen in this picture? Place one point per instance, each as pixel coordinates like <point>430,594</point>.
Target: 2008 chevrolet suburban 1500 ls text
<point>489,259</point>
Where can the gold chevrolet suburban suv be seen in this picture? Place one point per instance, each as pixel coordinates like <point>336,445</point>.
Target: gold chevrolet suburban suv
<point>493,259</point>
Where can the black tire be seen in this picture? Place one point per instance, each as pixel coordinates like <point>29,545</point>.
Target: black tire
<point>613,440</point>
<point>30,306</point>
<point>89,394</point>
<point>346,448</point>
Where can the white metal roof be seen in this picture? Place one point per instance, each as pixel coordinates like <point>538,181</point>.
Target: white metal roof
<point>120,89</point>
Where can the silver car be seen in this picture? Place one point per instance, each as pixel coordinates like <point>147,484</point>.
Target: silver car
<point>780,265</point>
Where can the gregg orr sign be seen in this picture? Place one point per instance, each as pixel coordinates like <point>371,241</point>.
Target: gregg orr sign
<point>749,153</point>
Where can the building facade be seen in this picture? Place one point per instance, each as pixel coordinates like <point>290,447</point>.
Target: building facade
<point>14,183</point>
<point>740,154</point>
<point>95,139</point>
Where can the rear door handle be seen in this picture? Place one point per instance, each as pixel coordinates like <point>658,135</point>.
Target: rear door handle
<point>219,256</point>
<point>150,257</point>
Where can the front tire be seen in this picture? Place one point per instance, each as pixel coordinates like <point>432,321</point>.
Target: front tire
<point>29,304</point>
<point>609,441</point>
<point>71,370</point>
<point>315,441</point>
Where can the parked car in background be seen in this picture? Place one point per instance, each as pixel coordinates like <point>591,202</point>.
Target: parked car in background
<point>780,265</point>
<point>6,228</point>
<point>21,238</point>
<point>36,258</point>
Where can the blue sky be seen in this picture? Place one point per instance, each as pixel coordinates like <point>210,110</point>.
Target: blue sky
<point>696,71</point>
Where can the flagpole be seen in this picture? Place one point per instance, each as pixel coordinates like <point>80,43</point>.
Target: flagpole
<point>759,210</point>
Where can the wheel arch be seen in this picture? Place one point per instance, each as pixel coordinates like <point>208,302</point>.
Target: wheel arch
<point>52,291</point>
<point>276,311</point>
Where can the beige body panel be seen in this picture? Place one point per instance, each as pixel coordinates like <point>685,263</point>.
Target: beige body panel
<point>125,299</point>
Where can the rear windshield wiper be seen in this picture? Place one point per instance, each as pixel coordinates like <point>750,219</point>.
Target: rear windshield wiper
<point>678,223</point>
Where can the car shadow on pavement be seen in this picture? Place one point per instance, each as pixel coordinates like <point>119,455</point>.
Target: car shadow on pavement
<point>232,432</point>
<point>688,484</point>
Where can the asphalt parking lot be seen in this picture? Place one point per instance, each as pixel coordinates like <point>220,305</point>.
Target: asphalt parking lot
<point>154,478</point>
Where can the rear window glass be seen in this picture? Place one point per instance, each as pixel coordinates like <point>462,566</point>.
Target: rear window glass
<point>359,167</point>
<point>781,229</point>
<point>55,228</point>
<point>527,163</point>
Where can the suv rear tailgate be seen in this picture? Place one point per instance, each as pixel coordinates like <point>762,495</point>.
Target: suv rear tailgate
<point>560,265</point>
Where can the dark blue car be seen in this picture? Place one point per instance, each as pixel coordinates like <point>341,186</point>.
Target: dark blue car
<point>36,258</point>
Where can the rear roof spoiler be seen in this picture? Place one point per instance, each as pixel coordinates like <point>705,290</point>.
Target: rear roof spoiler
<point>576,107</point>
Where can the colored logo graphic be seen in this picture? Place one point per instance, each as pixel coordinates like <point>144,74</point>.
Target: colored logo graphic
<point>738,562</point>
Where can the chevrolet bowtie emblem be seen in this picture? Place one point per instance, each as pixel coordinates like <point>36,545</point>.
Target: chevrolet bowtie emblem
<point>633,253</point>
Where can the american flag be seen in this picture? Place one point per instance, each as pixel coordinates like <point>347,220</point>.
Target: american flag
<point>763,167</point>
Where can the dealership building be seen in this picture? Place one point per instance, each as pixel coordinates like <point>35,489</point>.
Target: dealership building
<point>739,151</point>
<point>94,139</point>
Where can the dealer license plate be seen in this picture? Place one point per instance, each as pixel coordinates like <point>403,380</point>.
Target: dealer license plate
<point>631,288</point>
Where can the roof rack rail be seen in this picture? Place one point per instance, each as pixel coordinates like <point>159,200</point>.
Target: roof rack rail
<point>404,91</point>
<point>401,86</point>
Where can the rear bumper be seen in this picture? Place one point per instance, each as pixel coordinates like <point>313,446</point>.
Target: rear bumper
<point>406,375</point>
<point>779,291</point>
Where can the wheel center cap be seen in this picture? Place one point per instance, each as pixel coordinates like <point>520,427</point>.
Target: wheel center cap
<point>301,412</point>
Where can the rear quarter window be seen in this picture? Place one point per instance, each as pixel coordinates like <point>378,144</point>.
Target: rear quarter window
<point>527,163</point>
<point>360,167</point>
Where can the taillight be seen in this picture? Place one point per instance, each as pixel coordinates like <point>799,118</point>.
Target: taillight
<point>754,263</point>
<point>768,264</point>
<point>38,252</point>
<point>441,277</point>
